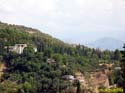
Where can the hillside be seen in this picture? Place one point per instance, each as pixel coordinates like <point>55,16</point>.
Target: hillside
<point>41,71</point>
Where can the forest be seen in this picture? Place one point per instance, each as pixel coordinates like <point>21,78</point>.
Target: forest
<point>30,72</point>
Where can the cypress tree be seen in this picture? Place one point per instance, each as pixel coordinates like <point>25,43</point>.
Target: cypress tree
<point>78,87</point>
<point>123,69</point>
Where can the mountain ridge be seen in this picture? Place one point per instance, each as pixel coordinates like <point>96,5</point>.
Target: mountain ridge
<point>107,43</point>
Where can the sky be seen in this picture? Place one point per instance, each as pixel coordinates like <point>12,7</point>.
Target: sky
<point>73,21</point>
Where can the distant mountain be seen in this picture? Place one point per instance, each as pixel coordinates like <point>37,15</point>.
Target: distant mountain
<point>107,43</point>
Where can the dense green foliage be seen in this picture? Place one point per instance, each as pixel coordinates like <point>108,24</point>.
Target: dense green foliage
<point>31,73</point>
<point>121,78</point>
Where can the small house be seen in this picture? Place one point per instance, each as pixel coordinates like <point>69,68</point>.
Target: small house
<point>18,48</point>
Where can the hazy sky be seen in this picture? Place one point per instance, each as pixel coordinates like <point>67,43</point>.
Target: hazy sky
<point>76,21</point>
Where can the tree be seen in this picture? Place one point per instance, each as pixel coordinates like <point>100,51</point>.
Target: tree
<point>27,86</point>
<point>29,52</point>
<point>117,54</point>
<point>78,87</point>
<point>123,69</point>
<point>1,58</point>
<point>48,52</point>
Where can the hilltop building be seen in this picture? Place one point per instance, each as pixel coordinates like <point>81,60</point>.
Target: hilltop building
<point>18,48</point>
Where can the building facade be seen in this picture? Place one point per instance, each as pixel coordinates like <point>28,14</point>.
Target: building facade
<point>18,48</point>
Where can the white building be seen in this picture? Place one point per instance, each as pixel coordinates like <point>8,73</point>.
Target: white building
<point>18,48</point>
<point>68,77</point>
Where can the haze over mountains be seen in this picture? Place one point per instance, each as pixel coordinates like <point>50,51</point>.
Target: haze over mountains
<point>76,20</point>
<point>107,43</point>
